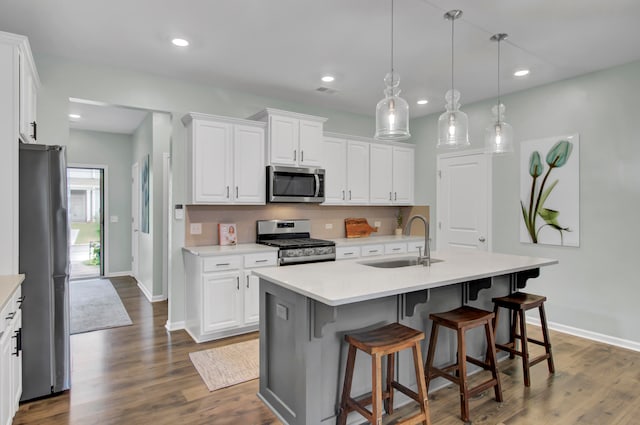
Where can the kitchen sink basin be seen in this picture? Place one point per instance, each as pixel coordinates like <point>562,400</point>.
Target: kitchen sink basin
<point>396,262</point>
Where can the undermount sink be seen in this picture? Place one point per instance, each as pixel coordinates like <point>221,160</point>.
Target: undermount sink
<point>396,262</point>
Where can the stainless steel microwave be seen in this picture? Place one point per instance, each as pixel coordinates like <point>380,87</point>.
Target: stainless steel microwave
<point>295,184</point>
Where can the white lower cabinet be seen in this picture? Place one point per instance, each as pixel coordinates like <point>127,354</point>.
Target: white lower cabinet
<point>382,248</point>
<point>10,359</point>
<point>223,294</point>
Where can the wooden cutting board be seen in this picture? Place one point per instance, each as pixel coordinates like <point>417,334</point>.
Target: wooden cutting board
<point>358,228</point>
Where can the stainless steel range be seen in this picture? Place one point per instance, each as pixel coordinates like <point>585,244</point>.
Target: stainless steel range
<point>293,238</point>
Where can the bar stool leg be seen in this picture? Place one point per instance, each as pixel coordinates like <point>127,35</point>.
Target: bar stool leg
<point>514,326</point>
<point>422,386</point>
<point>388,402</point>
<point>462,369</point>
<point>346,389</point>
<point>547,341</point>
<point>376,395</point>
<point>524,348</point>
<point>430,354</point>
<point>491,342</point>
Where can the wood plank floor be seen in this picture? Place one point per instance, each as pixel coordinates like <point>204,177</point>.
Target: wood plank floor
<point>141,374</point>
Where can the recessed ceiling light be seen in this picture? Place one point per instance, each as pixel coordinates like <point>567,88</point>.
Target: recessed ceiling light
<point>75,116</point>
<point>422,102</point>
<point>521,73</point>
<point>180,42</point>
<point>328,78</point>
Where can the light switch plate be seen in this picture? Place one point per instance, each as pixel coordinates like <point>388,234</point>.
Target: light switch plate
<point>328,226</point>
<point>113,219</point>
<point>196,228</point>
<point>376,224</point>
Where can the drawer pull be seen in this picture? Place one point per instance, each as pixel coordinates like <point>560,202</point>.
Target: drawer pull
<point>348,253</point>
<point>262,261</point>
<point>373,250</point>
<point>223,264</point>
<point>396,249</point>
<point>10,315</point>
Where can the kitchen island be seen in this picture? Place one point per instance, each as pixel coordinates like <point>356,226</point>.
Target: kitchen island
<point>306,310</point>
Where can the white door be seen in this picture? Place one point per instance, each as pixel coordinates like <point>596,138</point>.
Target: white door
<point>284,133</point>
<point>212,162</point>
<point>251,298</point>
<point>357,172</point>
<point>135,218</point>
<point>464,201</point>
<point>403,175</point>
<point>381,175</point>
<point>249,173</point>
<point>221,301</point>
<point>310,143</point>
<point>335,165</point>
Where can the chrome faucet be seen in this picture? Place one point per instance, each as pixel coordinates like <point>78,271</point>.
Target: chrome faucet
<point>426,258</point>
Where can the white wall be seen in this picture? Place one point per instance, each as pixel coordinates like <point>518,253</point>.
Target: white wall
<point>62,79</point>
<point>596,286</point>
<point>114,151</point>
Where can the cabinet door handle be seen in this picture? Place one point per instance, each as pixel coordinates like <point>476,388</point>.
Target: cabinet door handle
<point>236,192</point>
<point>396,196</point>
<point>227,192</point>
<point>349,194</point>
<point>390,198</point>
<point>301,156</point>
<point>18,338</point>
<point>238,283</point>
<point>295,154</point>
<point>247,281</point>
<point>19,301</point>
<point>35,130</point>
<point>343,195</point>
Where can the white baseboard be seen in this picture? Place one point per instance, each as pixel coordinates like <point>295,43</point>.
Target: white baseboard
<point>149,297</point>
<point>583,333</point>
<point>174,326</point>
<point>120,274</point>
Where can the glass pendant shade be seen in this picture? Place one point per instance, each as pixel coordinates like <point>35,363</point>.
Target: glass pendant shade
<point>498,136</point>
<point>453,124</point>
<point>392,112</point>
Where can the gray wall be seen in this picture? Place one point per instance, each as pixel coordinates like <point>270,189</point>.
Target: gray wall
<point>595,287</point>
<point>62,79</point>
<point>114,151</point>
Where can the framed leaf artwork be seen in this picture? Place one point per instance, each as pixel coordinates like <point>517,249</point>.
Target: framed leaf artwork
<point>550,191</point>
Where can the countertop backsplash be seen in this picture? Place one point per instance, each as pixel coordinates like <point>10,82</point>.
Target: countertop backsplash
<point>245,217</point>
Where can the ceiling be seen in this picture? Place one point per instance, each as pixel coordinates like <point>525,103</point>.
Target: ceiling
<point>97,116</point>
<point>281,48</point>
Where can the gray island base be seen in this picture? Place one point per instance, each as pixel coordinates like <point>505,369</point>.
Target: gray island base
<point>306,310</point>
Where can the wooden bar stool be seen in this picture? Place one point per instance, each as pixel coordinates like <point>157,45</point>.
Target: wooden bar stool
<point>386,340</point>
<point>460,320</point>
<point>518,303</point>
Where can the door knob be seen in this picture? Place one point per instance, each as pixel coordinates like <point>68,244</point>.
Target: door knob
<point>481,239</point>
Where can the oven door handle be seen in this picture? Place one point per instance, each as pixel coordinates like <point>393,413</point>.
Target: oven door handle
<point>317,184</point>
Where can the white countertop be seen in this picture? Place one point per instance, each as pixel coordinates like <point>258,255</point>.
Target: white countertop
<point>8,284</point>
<point>348,281</point>
<point>240,249</point>
<point>376,239</point>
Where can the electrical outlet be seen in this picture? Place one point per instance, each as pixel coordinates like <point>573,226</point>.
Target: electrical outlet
<point>328,226</point>
<point>376,224</point>
<point>196,228</point>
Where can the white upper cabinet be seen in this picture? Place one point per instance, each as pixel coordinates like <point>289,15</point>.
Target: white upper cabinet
<point>392,174</point>
<point>28,98</point>
<point>225,160</point>
<point>292,139</point>
<point>346,163</point>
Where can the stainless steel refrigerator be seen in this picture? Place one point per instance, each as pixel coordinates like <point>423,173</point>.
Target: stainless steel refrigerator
<point>44,259</point>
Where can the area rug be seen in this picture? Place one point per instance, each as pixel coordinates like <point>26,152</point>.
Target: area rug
<point>223,367</point>
<point>95,304</point>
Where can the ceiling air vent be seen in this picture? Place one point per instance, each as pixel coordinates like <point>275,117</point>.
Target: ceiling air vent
<point>326,90</point>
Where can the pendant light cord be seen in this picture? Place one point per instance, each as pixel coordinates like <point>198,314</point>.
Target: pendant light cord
<point>499,41</point>
<point>452,68</point>
<point>392,43</point>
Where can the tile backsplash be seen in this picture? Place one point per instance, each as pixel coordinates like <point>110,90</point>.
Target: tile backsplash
<point>326,221</point>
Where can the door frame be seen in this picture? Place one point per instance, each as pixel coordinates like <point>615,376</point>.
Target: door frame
<point>135,217</point>
<point>104,243</point>
<point>488,182</point>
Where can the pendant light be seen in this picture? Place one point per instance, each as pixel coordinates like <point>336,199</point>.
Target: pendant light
<point>453,124</point>
<point>392,112</point>
<point>498,137</point>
